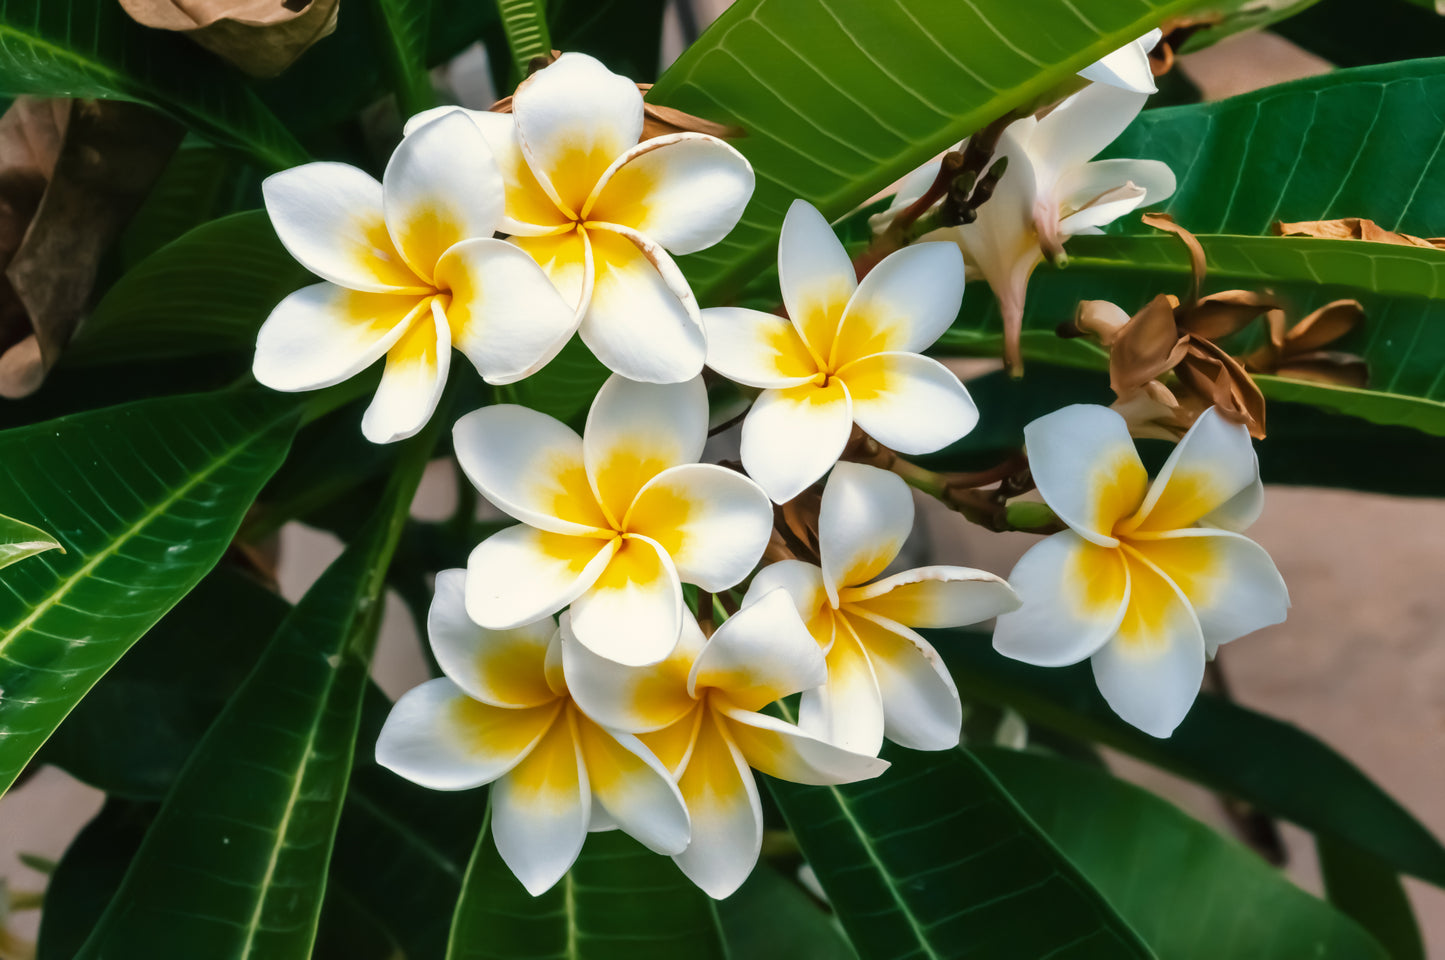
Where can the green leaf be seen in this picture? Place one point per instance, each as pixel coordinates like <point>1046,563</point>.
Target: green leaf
<point>231,272</point>
<point>200,183</point>
<point>1364,887</point>
<point>934,859</point>
<point>88,875</point>
<point>132,734</point>
<point>1342,33</point>
<point>235,864</point>
<point>565,387</point>
<point>92,48</point>
<point>145,498</point>
<point>1401,288</point>
<point>1275,766</point>
<point>619,900</point>
<point>19,540</point>
<point>624,34</point>
<point>525,23</point>
<point>402,25</point>
<point>840,99</point>
<point>1191,893</point>
<point>770,918</point>
<point>1346,144</point>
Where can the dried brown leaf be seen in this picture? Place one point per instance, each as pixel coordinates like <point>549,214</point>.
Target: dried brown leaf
<point>1148,346</point>
<point>262,37</point>
<point>1221,314</point>
<point>1353,228</point>
<point>1162,221</point>
<point>1324,326</point>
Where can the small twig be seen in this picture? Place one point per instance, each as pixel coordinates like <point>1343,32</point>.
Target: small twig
<point>730,422</point>
<point>706,617</point>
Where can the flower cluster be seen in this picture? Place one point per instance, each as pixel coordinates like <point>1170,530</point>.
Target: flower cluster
<point>585,676</point>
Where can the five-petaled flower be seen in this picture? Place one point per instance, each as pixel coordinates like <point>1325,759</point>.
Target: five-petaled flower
<point>601,212</point>
<point>411,269</point>
<point>883,678</point>
<point>1150,578</point>
<point>1050,190</point>
<point>503,715</point>
<point>698,710</point>
<point>612,520</point>
<point>849,354</point>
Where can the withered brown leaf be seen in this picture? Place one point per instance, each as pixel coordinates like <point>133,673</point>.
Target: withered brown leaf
<point>262,37</point>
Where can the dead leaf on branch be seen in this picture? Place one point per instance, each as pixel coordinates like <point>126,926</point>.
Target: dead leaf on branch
<point>262,37</point>
<point>72,172</point>
<point>1354,228</point>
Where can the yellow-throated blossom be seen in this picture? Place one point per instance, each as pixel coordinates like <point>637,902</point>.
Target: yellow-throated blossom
<point>411,270</point>
<point>612,521</point>
<point>1128,67</point>
<point>1150,578</point>
<point>849,354</point>
<point>503,715</point>
<point>1050,190</point>
<point>698,710</point>
<point>601,212</point>
<point>883,678</point>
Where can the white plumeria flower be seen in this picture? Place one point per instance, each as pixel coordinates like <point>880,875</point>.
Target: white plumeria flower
<point>411,271</point>
<point>601,212</point>
<point>1050,190</point>
<point>503,715</point>
<point>1150,578</point>
<point>612,521</point>
<point>883,678</point>
<point>1128,67</point>
<point>849,354</point>
<point>698,711</point>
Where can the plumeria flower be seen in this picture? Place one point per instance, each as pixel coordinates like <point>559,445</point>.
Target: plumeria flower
<point>698,710</point>
<point>883,678</point>
<point>503,715</point>
<point>1050,190</point>
<point>612,521</point>
<point>411,270</point>
<point>1128,67</point>
<point>601,212</point>
<point>1150,578</point>
<point>849,354</point>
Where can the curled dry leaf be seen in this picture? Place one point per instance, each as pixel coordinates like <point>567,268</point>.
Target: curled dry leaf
<point>72,172</point>
<point>262,37</point>
<point>1354,228</point>
<point>1299,351</point>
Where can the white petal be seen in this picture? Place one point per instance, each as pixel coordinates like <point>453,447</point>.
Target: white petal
<point>323,334</point>
<point>1086,468</point>
<point>1239,512</point>
<point>804,584</point>
<point>911,189</point>
<point>411,385</point>
<point>1100,210</point>
<point>574,117</point>
<point>903,304</point>
<point>530,466</point>
<point>441,186</point>
<point>541,809</point>
<point>642,321</point>
<point>505,315</point>
<point>1212,464</point>
<point>889,390</point>
<point>566,258</point>
<point>756,349</point>
<point>713,522</point>
<point>634,788</point>
<point>847,709</point>
<point>760,654</point>
<point>633,612</point>
<point>1128,67</point>
<point>633,699</point>
<point>865,517</point>
<point>815,274</point>
<point>1151,670</point>
<point>685,191</point>
<point>781,750</point>
<point>505,668</point>
<point>329,217</point>
<point>921,709</point>
<point>439,737</point>
<point>1078,186</point>
<point>727,818</point>
<point>792,437</point>
<point>637,430</point>
<point>935,596</point>
<point>1229,580</point>
<point>521,574</point>
<point>1077,129</point>
<point>1073,595</point>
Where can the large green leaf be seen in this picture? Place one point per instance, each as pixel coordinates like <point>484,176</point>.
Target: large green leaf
<point>619,900</point>
<point>1401,288</point>
<point>145,498</point>
<point>769,918</point>
<point>402,26</point>
<point>235,864</point>
<point>1364,887</point>
<point>934,859</point>
<point>1349,35</point>
<point>92,48</point>
<point>207,292</point>
<point>1274,765</point>
<point>1192,894</point>
<point>624,34</point>
<point>841,97</point>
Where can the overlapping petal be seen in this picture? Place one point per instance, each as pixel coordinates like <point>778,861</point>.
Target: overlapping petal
<point>505,668</point>
<point>1086,468</point>
<point>1081,189</point>
<point>865,517</point>
<point>634,788</point>
<point>1128,67</point>
<point>791,437</point>
<point>411,385</point>
<point>542,807</point>
<point>803,583</point>
<point>782,750</point>
<point>1212,464</point>
<point>567,260</point>
<point>1229,580</point>
<point>628,698</point>
<point>847,709</point>
<point>323,334</point>
<point>713,522</point>
<point>919,701</point>
<point>815,275</point>
<point>760,654</point>
<point>1073,597</point>
<point>727,816</point>
<point>522,574</point>
<point>756,349</point>
<point>905,303</point>
<point>936,596</point>
<point>637,430</point>
<point>633,611</point>
<point>888,391</point>
<point>1080,127</point>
